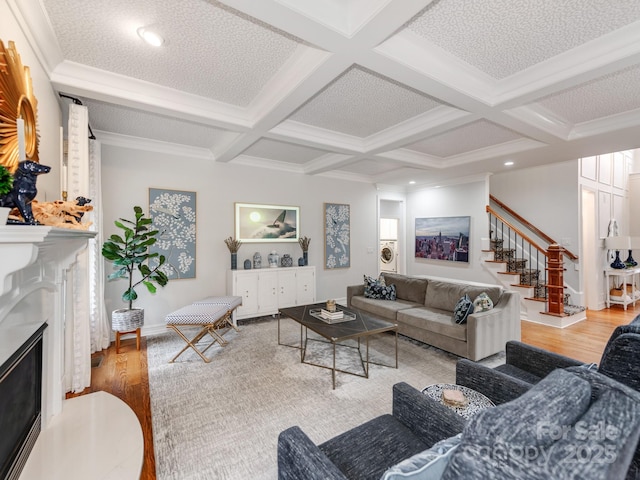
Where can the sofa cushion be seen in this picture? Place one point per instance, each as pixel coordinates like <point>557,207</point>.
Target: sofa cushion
<point>464,307</point>
<point>381,308</point>
<point>445,295</point>
<point>427,465</point>
<point>407,288</point>
<point>368,450</point>
<point>433,320</point>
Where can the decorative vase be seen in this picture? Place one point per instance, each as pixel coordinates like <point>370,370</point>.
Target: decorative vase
<point>234,261</point>
<point>617,263</point>
<point>305,258</point>
<point>630,262</point>
<point>257,260</point>
<point>301,262</point>
<point>274,259</point>
<point>286,260</point>
<point>247,264</point>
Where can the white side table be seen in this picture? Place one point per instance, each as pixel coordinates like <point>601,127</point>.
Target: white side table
<point>624,276</point>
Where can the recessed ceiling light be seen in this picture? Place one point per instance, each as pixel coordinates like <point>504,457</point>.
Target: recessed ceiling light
<point>150,36</point>
<point>412,182</point>
<point>508,164</point>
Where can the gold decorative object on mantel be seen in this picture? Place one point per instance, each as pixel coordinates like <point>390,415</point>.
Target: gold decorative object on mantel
<point>18,110</point>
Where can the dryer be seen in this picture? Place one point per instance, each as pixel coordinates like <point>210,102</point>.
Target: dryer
<point>389,256</point>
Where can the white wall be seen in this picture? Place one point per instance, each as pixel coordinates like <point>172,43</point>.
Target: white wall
<point>127,175</point>
<point>48,108</point>
<point>467,199</point>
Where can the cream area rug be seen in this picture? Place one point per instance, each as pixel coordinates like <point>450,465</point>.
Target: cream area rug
<point>221,420</point>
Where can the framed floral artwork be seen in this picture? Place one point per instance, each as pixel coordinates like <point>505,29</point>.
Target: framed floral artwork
<point>337,236</point>
<point>173,214</point>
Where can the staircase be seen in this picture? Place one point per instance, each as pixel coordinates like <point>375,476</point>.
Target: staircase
<point>519,263</point>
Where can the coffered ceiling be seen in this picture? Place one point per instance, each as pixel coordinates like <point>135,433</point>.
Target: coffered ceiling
<point>380,91</point>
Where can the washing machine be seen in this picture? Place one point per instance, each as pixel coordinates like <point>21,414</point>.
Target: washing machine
<point>388,256</point>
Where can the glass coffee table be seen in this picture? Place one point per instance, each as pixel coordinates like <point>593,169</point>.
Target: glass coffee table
<point>357,325</point>
<point>476,401</point>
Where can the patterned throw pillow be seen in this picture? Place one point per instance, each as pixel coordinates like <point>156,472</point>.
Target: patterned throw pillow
<point>463,309</point>
<point>377,289</point>
<point>482,303</point>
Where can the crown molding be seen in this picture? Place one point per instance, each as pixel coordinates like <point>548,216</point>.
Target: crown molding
<point>612,123</point>
<point>506,148</point>
<point>259,162</point>
<point>543,119</point>
<point>316,137</point>
<point>35,24</point>
<point>606,54</point>
<point>146,144</point>
<point>346,176</point>
<point>299,67</point>
<point>431,61</point>
<point>82,80</point>
<point>329,162</point>
<point>419,186</point>
<point>432,122</point>
<point>413,158</point>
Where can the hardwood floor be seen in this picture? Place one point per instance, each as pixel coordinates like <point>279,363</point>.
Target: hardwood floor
<point>125,374</point>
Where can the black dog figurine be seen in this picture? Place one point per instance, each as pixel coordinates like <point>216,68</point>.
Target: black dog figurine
<point>24,189</point>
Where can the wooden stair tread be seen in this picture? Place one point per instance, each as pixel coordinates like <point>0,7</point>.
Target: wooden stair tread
<point>537,299</point>
<point>507,273</point>
<point>555,314</point>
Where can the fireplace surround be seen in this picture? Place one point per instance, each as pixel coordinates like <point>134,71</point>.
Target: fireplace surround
<point>36,261</point>
<point>20,404</point>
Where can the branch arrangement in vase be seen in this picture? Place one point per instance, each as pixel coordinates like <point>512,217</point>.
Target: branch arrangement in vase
<point>232,244</point>
<point>304,243</point>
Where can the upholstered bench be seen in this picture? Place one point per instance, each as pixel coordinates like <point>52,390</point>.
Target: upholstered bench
<point>213,317</point>
<point>231,302</point>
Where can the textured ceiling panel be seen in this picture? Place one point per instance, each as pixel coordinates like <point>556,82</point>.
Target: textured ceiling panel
<point>471,137</point>
<point>615,93</point>
<point>372,166</point>
<point>361,103</point>
<point>128,121</point>
<point>502,37</point>
<point>283,152</point>
<point>210,50</point>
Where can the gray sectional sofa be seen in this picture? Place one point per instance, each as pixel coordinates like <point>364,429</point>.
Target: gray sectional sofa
<point>424,308</point>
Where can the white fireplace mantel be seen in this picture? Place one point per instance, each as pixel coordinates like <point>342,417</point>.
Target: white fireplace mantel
<point>34,261</point>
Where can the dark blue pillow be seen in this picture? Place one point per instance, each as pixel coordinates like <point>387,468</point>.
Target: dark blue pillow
<point>378,290</point>
<point>463,308</point>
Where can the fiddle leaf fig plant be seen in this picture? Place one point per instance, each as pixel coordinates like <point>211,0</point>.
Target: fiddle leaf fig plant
<point>129,253</point>
<point>6,181</point>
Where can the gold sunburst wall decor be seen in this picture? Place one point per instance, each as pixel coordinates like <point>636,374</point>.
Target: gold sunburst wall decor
<point>16,101</point>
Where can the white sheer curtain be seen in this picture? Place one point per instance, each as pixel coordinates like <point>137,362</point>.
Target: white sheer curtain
<point>87,325</point>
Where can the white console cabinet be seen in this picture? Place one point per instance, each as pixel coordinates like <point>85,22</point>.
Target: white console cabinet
<point>266,290</point>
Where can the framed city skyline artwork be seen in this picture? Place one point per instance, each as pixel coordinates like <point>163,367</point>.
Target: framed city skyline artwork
<point>443,238</point>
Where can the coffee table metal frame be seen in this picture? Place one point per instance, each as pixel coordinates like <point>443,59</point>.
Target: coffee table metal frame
<point>364,326</point>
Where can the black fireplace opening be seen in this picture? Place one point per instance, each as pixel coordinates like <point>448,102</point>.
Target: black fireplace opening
<point>20,405</point>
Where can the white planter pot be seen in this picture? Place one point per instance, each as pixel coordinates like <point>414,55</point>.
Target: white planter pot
<point>125,320</point>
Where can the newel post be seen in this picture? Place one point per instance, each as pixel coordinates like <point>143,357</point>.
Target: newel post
<point>555,284</point>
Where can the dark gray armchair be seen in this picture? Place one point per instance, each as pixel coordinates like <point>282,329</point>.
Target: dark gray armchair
<point>367,451</point>
<point>526,365</point>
